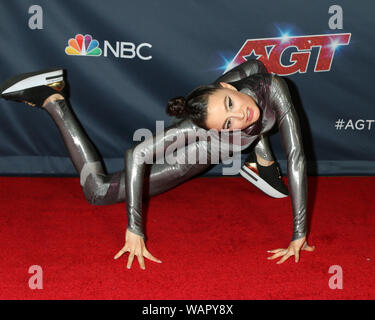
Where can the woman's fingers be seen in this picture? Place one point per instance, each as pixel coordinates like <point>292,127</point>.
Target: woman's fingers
<point>274,251</point>
<point>120,253</point>
<point>148,255</point>
<point>309,248</point>
<point>287,253</point>
<point>141,261</point>
<point>130,260</point>
<point>277,254</point>
<point>284,258</point>
<point>296,254</point>
<point>142,253</point>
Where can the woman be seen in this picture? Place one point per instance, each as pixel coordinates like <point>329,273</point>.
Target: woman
<point>245,98</point>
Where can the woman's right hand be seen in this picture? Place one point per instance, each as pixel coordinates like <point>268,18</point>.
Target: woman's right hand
<point>136,246</point>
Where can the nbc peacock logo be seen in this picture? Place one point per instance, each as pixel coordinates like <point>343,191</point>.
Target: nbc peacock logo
<point>83,46</point>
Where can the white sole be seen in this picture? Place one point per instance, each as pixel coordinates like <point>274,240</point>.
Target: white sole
<point>36,81</point>
<point>257,181</point>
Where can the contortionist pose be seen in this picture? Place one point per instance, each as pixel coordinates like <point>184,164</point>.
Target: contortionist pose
<point>246,100</point>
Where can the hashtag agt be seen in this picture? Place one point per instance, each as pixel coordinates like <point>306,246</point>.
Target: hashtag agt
<point>359,124</point>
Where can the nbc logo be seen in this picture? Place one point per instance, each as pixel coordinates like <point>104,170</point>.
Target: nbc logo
<point>83,46</point>
<point>87,46</point>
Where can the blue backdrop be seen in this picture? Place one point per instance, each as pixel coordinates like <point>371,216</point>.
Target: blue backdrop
<point>150,51</point>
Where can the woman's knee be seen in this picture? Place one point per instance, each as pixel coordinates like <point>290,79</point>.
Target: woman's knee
<point>91,189</point>
<point>102,189</point>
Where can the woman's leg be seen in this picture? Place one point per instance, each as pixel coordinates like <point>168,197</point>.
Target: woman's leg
<point>98,186</point>
<point>45,89</point>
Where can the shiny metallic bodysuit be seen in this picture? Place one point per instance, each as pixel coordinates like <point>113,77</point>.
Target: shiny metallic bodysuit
<point>140,179</point>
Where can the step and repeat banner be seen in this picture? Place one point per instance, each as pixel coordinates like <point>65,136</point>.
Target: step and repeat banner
<point>125,59</point>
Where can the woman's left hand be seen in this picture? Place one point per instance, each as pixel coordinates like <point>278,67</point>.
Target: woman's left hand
<point>293,250</point>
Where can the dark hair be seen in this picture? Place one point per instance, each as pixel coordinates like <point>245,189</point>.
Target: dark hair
<point>194,106</point>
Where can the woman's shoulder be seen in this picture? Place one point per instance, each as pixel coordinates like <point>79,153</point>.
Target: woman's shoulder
<point>253,81</point>
<point>280,96</point>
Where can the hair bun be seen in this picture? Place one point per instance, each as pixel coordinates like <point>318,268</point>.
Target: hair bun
<point>176,106</point>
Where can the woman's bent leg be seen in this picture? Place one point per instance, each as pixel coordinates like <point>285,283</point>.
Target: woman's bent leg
<point>45,89</point>
<point>98,187</point>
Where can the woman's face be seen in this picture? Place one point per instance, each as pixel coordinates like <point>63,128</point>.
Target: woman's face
<point>228,108</point>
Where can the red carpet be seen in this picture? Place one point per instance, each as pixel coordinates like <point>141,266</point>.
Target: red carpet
<point>212,235</point>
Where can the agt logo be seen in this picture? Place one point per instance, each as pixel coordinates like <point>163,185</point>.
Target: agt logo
<point>87,46</point>
<point>272,51</point>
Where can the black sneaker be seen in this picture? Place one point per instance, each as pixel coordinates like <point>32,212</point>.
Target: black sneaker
<point>34,87</point>
<point>268,179</point>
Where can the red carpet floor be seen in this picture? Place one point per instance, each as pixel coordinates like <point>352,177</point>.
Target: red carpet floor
<point>212,235</point>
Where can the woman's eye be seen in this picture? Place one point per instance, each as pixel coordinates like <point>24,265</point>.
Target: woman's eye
<point>229,123</point>
<point>230,103</point>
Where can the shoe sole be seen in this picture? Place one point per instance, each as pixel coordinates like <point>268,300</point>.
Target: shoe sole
<point>31,80</point>
<point>260,183</point>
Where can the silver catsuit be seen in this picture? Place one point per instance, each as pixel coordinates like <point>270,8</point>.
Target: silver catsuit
<point>139,179</point>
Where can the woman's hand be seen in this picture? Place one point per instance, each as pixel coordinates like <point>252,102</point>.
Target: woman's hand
<point>293,250</point>
<point>136,246</point>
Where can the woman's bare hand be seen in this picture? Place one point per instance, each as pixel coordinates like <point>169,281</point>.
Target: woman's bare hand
<point>136,247</point>
<point>293,250</point>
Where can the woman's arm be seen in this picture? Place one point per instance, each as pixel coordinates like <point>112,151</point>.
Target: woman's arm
<point>149,151</point>
<point>243,70</point>
<point>297,177</point>
<point>146,153</point>
<point>291,139</point>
